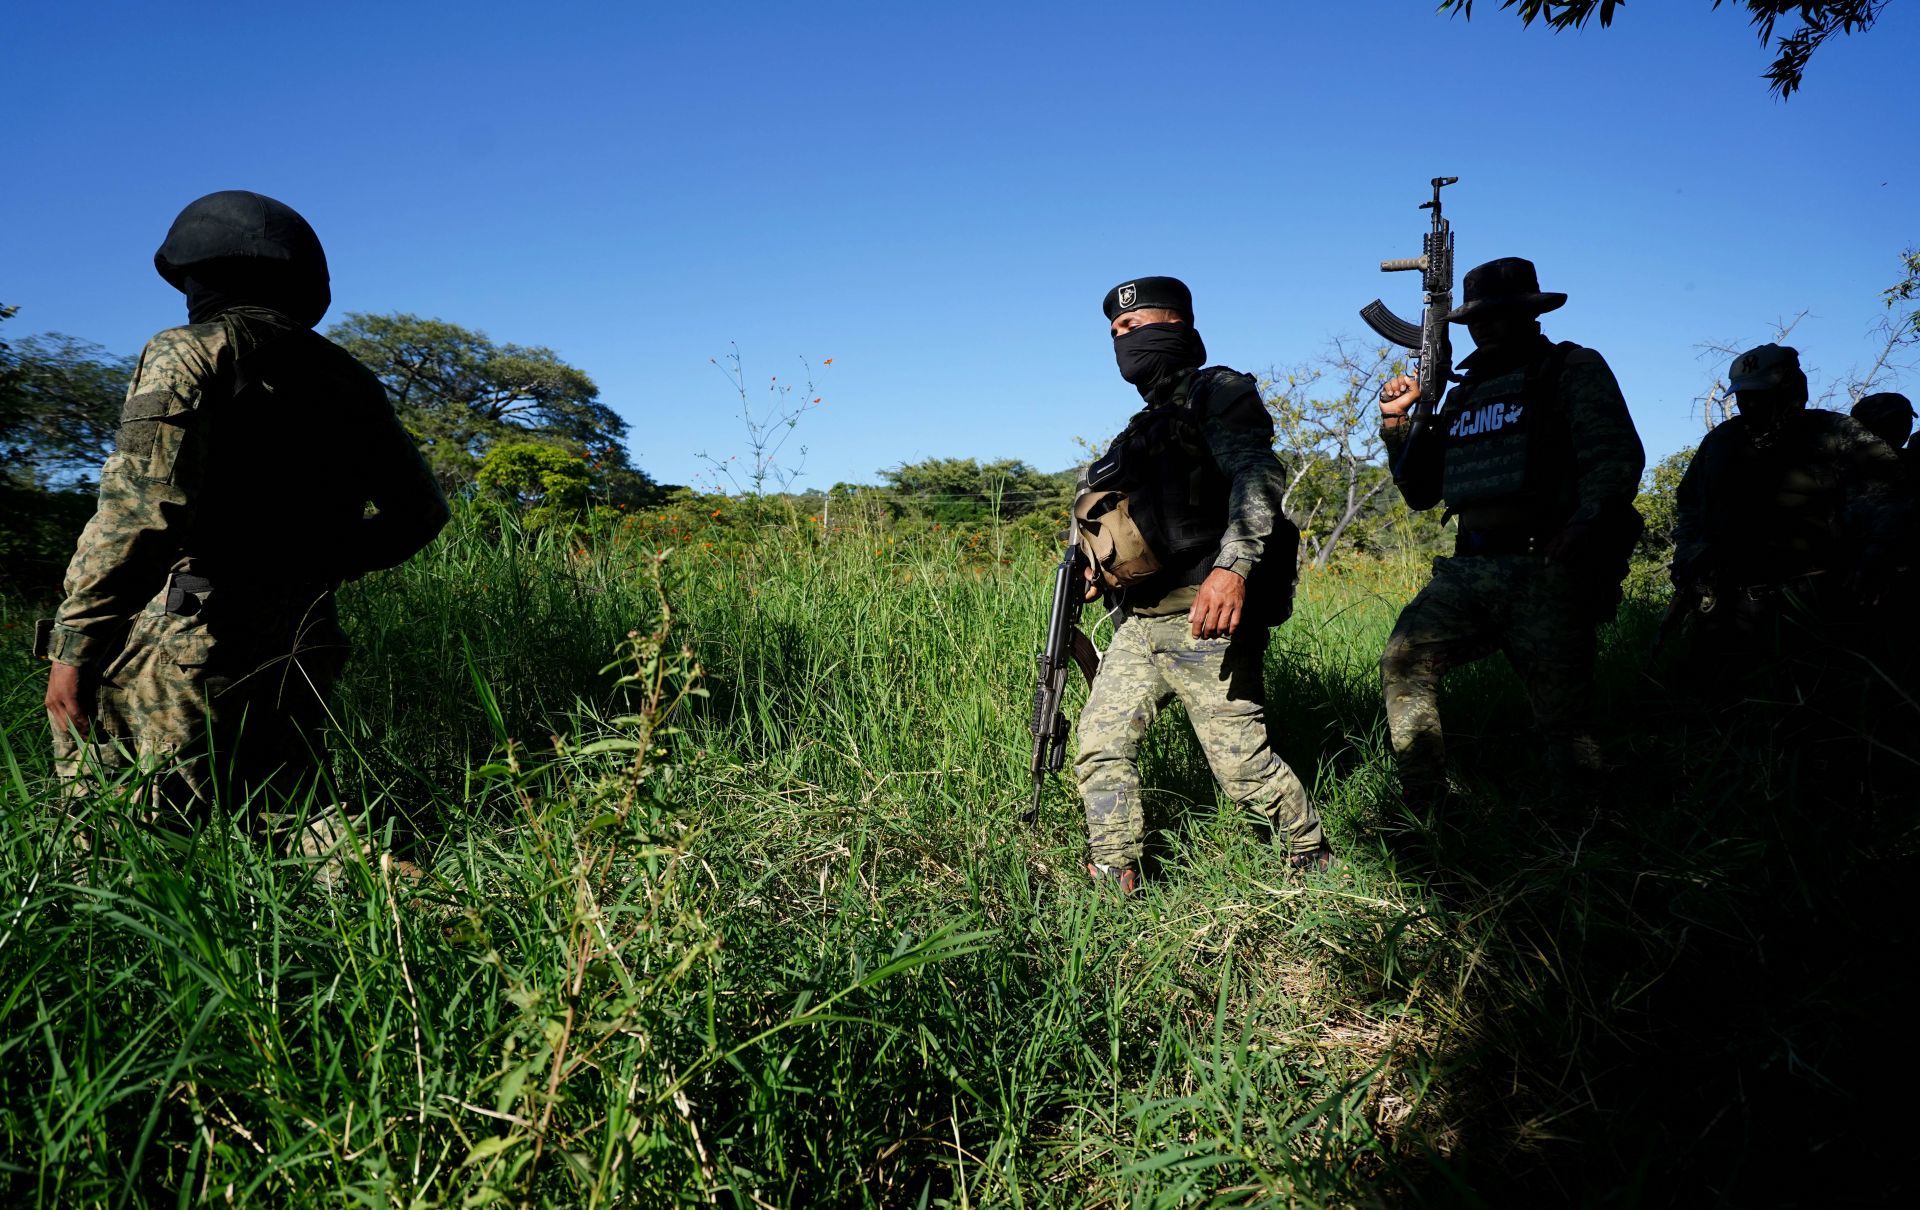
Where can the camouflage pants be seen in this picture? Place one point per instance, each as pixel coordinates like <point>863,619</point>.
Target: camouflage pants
<point>1221,682</point>
<point>235,721</point>
<point>1472,607</point>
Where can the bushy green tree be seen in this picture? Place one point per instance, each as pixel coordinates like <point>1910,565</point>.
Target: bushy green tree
<point>548,484</point>
<point>966,490</point>
<point>59,406</point>
<point>461,394</point>
<point>1659,505</point>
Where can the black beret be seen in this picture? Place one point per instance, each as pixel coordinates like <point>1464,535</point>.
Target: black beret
<point>1168,293</point>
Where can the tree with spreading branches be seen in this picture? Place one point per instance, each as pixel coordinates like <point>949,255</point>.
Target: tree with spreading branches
<point>460,394</point>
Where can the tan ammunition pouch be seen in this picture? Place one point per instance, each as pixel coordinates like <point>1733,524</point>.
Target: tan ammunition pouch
<point>1112,539</point>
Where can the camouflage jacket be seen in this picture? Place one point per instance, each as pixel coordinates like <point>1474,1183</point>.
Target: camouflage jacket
<point>1764,505</point>
<point>1237,431</point>
<point>247,453</point>
<point>1601,442</point>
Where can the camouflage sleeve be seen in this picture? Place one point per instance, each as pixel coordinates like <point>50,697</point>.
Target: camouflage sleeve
<point>1239,433</point>
<point>409,509</point>
<point>147,490</point>
<point>1607,455</point>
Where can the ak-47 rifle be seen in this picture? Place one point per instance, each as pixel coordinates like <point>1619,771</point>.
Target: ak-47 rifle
<point>1428,340</point>
<point>1066,645</point>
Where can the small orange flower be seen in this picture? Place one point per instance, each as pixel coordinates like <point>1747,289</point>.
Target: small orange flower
<point>714,513</point>
<point>827,362</point>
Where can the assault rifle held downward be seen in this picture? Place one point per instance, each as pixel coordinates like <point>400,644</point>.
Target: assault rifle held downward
<point>1066,645</point>
<point>1428,340</point>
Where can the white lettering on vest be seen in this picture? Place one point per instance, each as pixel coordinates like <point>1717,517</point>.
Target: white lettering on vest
<point>1489,419</point>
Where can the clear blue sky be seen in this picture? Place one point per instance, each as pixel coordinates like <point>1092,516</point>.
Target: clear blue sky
<point>937,197</point>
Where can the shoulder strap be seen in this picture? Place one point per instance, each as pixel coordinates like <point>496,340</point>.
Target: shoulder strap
<point>1201,390</point>
<point>1543,378</point>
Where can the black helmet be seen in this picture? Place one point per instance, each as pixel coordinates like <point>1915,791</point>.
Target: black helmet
<point>241,247</point>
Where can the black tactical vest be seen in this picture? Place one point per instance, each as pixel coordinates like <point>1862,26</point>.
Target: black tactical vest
<point>1180,498</point>
<point>1175,491</point>
<point>1506,437</point>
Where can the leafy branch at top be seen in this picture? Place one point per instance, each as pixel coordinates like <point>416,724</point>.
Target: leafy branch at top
<point>1819,20</point>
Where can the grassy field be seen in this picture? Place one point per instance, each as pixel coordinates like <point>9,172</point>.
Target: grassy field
<point>747,918</point>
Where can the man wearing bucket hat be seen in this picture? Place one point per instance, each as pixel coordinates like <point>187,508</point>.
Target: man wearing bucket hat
<point>1182,524</point>
<point>197,638</point>
<point>1536,455</point>
<point>1786,506</point>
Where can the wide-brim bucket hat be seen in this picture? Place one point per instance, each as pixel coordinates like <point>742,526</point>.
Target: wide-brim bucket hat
<point>1507,284</point>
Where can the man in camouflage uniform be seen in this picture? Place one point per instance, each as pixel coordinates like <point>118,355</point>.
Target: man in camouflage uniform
<point>1197,471</point>
<point>1536,455</point>
<point>198,637</point>
<point>1785,508</point>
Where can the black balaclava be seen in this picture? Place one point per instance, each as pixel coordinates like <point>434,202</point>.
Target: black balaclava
<point>235,248</point>
<point>1153,356</point>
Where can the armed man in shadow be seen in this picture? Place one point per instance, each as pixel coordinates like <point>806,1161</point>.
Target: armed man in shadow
<point>257,466</point>
<point>1535,454</point>
<point>1793,523</point>
<point>1182,526</point>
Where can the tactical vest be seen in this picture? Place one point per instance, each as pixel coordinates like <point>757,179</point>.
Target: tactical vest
<point>1158,487</point>
<point>1507,438</point>
<point>1173,491</point>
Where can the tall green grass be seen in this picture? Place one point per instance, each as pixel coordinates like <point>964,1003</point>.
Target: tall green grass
<point>747,917</point>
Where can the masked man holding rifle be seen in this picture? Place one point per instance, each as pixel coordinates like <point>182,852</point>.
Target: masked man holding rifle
<point>1535,454</point>
<point>1181,523</point>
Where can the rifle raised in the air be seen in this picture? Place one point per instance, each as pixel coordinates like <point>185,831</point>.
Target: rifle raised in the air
<point>1428,341</point>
